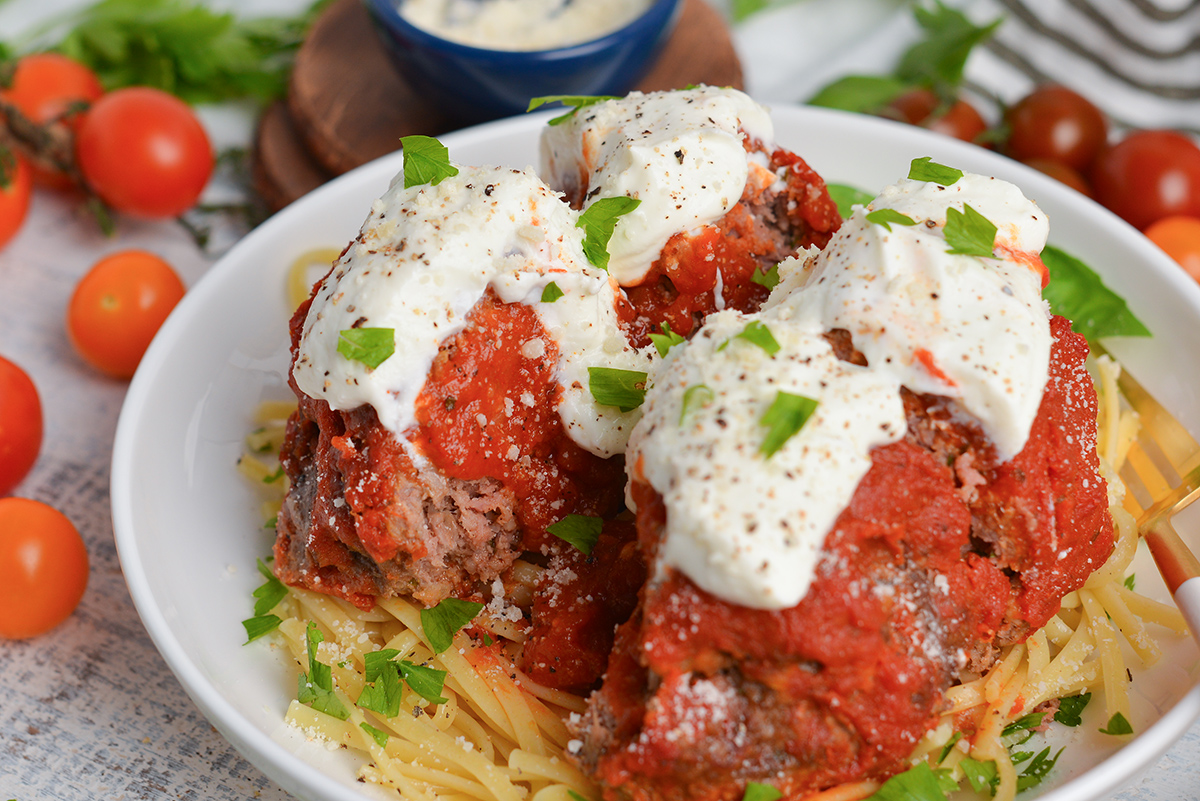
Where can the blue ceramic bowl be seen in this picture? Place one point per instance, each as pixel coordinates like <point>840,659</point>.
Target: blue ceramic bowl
<point>472,84</point>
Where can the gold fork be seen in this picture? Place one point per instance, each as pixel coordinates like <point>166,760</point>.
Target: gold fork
<point>1162,475</point>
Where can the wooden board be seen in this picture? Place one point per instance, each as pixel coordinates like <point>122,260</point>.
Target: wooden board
<point>347,103</point>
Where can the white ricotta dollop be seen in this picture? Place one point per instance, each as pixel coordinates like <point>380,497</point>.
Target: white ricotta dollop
<point>744,527</point>
<point>422,260</point>
<point>970,328</point>
<point>750,528</point>
<point>681,154</point>
<point>521,24</point>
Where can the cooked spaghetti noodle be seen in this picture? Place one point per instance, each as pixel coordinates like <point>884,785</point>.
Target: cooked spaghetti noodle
<point>501,736</point>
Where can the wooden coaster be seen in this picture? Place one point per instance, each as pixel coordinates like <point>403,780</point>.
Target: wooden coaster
<point>348,104</point>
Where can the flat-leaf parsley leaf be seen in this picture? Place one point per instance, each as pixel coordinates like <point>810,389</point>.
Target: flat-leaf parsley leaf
<point>581,531</point>
<point>598,222</point>
<point>666,340</point>
<point>786,415</point>
<point>426,161</point>
<point>926,169</point>
<point>625,389</point>
<point>969,233</point>
<point>576,102</point>
<point>371,346</point>
<point>442,621</point>
<point>886,217</point>
<point>760,792</point>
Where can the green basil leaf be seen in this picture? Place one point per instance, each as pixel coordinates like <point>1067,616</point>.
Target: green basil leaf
<point>760,792</point>
<point>697,395</point>
<point>441,622</point>
<point>666,340</point>
<point>1070,709</point>
<point>576,102</point>
<point>1076,292</point>
<point>769,279</point>
<point>380,737</point>
<point>371,346</point>
<point>551,293</point>
<point>918,783</point>
<point>625,389</point>
<point>784,418</point>
<point>1117,725</point>
<point>259,625</point>
<point>969,233</point>
<point>425,681</point>
<point>270,593</point>
<point>862,93</point>
<point>847,197</point>
<point>886,217</point>
<point>426,161</point>
<point>598,222</point>
<point>926,169</point>
<point>581,531</point>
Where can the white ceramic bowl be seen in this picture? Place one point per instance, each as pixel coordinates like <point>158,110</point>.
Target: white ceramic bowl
<point>188,528</point>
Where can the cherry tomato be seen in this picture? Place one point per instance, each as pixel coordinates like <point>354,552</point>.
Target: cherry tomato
<point>1149,175</point>
<point>118,307</point>
<point>1054,123</point>
<point>43,568</point>
<point>1180,238</point>
<point>14,198</point>
<point>1062,173</point>
<point>20,425</point>
<point>46,86</point>
<point>917,107</point>
<point>144,152</point>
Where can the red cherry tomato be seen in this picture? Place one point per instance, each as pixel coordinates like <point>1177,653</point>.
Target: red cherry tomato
<point>917,107</point>
<point>144,152</point>
<point>1056,124</point>
<point>20,425</point>
<point>1062,173</point>
<point>43,568</point>
<point>1149,175</point>
<point>14,198</point>
<point>1180,238</point>
<point>118,307</point>
<point>46,86</point>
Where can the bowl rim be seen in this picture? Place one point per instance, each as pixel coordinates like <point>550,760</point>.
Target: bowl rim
<point>387,13</point>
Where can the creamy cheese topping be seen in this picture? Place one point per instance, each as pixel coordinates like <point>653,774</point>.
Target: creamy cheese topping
<point>425,256</point>
<point>522,24</point>
<point>749,528</point>
<point>973,329</point>
<point>746,528</point>
<point>681,154</point>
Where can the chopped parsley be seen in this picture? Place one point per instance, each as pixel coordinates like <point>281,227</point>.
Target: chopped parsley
<point>315,688</point>
<point>969,233</point>
<point>847,197</point>
<point>769,279</point>
<point>695,395</point>
<point>980,775</point>
<point>1070,709</point>
<point>786,415</point>
<point>426,161</point>
<point>757,333</point>
<point>1117,725</point>
<point>949,746</point>
<point>259,625</point>
<point>551,293</point>
<point>926,169</point>
<point>760,792</point>
<point>380,737</point>
<point>666,340</point>
<point>886,217</point>
<point>1024,723</point>
<point>576,796</point>
<point>1130,581</point>
<point>271,478</point>
<point>576,102</point>
<point>371,346</point>
<point>425,681</point>
<point>442,621</point>
<point>598,222</point>
<point>383,691</point>
<point>272,591</point>
<point>918,783</point>
<point>581,531</point>
<point>1037,769</point>
<point>625,389</point>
